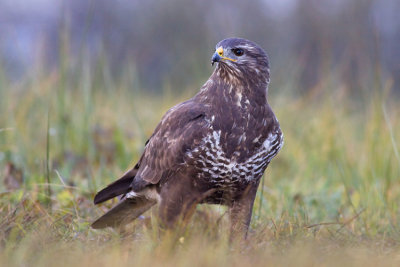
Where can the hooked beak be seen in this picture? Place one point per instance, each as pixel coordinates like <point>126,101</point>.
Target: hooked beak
<point>215,58</point>
<point>219,55</point>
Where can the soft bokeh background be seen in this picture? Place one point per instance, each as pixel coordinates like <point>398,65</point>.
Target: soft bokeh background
<point>171,41</point>
<point>83,84</point>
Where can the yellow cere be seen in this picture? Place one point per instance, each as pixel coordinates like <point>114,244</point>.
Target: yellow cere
<point>220,52</point>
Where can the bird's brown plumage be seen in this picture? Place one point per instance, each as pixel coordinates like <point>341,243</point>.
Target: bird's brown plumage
<point>213,148</point>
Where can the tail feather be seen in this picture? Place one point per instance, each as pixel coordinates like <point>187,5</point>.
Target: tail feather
<point>119,187</point>
<point>124,212</point>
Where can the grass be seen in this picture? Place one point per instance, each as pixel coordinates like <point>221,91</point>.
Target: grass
<point>329,198</point>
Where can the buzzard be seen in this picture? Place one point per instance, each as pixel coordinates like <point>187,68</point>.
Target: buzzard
<point>212,148</point>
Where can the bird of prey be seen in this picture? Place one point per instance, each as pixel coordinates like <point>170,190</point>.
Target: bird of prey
<point>212,148</point>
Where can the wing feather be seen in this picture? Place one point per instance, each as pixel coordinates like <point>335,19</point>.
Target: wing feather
<point>119,187</point>
<point>179,132</point>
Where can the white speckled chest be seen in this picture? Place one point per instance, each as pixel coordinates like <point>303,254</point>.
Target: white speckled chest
<point>213,164</point>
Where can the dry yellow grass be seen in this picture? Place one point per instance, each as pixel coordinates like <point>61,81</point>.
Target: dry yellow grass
<point>329,199</point>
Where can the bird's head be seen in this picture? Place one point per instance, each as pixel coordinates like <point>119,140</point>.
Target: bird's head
<point>240,56</point>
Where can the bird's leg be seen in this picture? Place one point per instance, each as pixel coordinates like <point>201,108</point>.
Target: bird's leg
<point>174,213</point>
<point>240,212</point>
<point>176,209</point>
<point>178,202</point>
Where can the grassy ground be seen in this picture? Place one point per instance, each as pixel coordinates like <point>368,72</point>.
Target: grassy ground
<point>331,197</point>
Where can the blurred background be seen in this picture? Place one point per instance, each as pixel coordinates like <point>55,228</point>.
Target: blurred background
<point>83,83</point>
<point>159,42</point>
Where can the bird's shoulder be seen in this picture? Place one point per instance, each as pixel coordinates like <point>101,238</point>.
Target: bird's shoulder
<point>182,114</point>
<point>180,130</point>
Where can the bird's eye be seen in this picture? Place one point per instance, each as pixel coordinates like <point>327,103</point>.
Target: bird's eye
<point>238,51</point>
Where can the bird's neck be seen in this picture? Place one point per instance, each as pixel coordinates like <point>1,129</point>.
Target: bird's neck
<point>236,88</point>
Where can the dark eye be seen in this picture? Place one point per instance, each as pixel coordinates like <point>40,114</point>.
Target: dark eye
<point>238,51</point>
